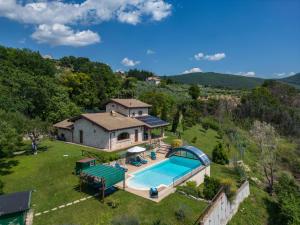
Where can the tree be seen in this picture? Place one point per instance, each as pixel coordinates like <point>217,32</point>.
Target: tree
<point>139,74</point>
<point>35,129</point>
<point>266,138</point>
<point>194,91</point>
<point>176,120</point>
<point>211,187</point>
<point>82,90</point>
<point>10,140</point>
<point>288,194</point>
<point>219,155</point>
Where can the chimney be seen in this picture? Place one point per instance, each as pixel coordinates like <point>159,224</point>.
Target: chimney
<point>113,113</point>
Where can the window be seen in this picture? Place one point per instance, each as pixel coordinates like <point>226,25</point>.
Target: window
<point>123,136</point>
<point>140,112</point>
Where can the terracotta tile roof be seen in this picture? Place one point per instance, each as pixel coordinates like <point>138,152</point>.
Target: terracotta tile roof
<point>65,124</point>
<point>112,121</point>
<point>131,103</point>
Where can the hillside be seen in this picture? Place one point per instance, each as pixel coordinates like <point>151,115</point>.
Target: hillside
<point>293,80</point>
<point>218,80</point>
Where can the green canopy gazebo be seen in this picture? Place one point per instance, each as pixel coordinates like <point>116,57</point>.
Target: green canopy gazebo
<point>102,177</point>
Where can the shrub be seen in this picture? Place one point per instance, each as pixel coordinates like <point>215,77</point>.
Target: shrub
<point>176,143</point>
<point>158,222</point>
<point>288,195</point>
<point>190,189</point>
<point>180,213</point>
<point>113,203</point>
<point>125,220</point>
<point>229,187</point>
<point>211,187</point>
<point>210,123</point>
<point>194,140</point>
<point>219,155</point>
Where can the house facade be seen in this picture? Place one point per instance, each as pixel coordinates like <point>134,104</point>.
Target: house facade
<point>153,80</point>
<point>125,123</point>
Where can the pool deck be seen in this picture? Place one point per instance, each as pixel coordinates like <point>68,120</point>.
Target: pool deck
<point>162,191</point>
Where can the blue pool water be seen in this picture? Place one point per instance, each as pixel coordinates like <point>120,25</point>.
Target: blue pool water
<point>162,173</point>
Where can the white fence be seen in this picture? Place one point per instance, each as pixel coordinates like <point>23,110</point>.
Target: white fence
<point>221,210</point>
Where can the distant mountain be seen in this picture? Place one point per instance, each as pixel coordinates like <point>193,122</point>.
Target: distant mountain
<point>218,80</point>
<point>292,80</point>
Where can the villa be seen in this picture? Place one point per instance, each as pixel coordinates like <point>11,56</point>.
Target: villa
<point>125,123</point>
<point>153,80</point>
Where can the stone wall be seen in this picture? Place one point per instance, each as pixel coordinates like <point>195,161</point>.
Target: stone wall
<point>93,135</point>
<point>221,210</point>
<point>132,112</point>
<point>68,134</point>
<point>119,144</point>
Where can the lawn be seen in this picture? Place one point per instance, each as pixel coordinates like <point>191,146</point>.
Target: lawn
<point>49,174</point>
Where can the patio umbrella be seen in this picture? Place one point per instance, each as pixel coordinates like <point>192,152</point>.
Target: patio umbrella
<point>136,149</point>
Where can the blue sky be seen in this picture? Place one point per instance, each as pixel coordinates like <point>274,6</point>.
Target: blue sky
<point>246,37</point>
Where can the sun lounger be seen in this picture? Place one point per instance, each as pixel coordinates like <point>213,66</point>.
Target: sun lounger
<point>134,162</point>
<point>153,155</point>
<point>141,160</point>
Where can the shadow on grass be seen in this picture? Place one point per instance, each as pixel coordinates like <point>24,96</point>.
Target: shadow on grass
<point>202,130</point>
<point>40,149</point>
<point>92,191</point>
<point>6,165</point>
<point>273,212</point>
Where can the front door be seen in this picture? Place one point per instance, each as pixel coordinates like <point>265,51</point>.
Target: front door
<point>81,136</point>
<point>136,136</point>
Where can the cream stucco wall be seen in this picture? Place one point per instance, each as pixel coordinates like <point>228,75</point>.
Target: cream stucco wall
<point>132,112</point>
<point>138,112</point>
<point>66,133</point>
<point>115,144</point>
<point>199,177</point>
<point>93,135</point>
<point>118,108</point>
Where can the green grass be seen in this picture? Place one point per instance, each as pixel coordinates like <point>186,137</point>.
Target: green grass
<point>256,209</point>
<point>205,140</point>
<point>49,174</point>
<point>94,212</point>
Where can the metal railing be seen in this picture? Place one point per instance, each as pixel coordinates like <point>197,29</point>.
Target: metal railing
<point>184,176</point>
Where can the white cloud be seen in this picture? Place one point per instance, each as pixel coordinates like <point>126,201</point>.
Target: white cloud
<point>50,12</point>
<point>199,56</point>
<point>246,74</point>
<point>284,74</point>
<point>150,52</point>
<point>59,34</point>
<point>129,62</point>
<point>193,70</point>
<point>215,57</point>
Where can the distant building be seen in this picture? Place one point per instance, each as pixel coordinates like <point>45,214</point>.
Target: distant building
<point>126,122</point>
<point>153,80</point>
<point>14,208</point>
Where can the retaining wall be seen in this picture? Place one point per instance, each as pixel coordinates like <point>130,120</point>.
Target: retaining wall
<point>221,210</point>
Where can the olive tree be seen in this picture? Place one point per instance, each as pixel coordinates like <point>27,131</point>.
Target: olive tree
<point>265,136</point>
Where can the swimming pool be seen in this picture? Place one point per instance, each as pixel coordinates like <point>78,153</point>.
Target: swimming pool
<point>162,173</point>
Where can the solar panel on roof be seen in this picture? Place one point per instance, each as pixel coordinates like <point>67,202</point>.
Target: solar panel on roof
<point>152,120</point>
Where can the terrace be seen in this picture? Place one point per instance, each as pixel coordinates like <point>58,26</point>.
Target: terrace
<point>186,167</point>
